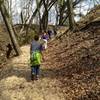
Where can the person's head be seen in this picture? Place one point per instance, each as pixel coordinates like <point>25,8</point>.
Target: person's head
<point>36,37</point>
<point>44,33</point>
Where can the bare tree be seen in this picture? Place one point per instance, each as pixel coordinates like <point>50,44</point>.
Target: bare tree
<point>71,14</point>
<point>6,18</point>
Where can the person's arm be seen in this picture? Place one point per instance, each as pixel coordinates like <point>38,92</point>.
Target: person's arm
<point>41,49</point>
<point>42,56</point>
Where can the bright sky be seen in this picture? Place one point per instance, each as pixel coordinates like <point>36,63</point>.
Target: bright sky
<point>52,14</point>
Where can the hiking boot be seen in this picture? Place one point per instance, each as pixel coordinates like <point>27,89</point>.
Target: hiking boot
<point>37,77</point>
<point>32,77</point>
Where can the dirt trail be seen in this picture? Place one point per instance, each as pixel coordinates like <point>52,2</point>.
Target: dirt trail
<point>15,83</point>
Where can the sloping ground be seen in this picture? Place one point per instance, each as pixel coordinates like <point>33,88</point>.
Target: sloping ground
<point>75,60</point>
<point>15,81</point>
<point>71,70</point>
<point>4,40</point>
<point>92,16</point>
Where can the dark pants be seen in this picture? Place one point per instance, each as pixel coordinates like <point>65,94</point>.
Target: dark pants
<point>35,70</point>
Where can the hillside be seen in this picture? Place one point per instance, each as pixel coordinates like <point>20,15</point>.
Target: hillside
<point>4,40</point>
<point>92,17</point>
<point>70,71</point>
<point>75,60</point>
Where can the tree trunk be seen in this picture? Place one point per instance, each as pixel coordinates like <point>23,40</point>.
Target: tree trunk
<point>57,16</point>
<point>45,15</point>
<point>71,14</point>
<point>10,29</point>
<point>32,17</point>
<point>44,21</point>
<point>60,18</point>
<point>40,24</point>
<point>22,19</point>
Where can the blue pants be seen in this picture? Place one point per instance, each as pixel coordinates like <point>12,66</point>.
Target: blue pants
<point>35,69</point>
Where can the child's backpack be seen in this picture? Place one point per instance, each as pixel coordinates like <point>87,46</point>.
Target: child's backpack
<point>35,58</point>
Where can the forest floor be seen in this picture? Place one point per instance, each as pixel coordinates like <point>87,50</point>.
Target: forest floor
<point>71,70</point>
<point>15,83</point>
